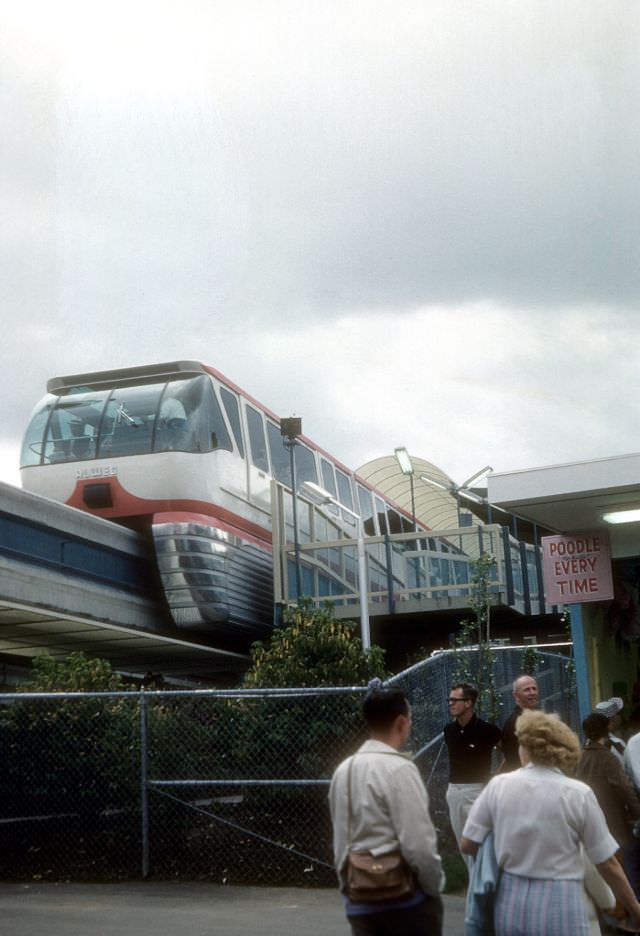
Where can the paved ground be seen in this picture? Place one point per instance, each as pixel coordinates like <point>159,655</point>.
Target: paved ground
<point>174,909</point>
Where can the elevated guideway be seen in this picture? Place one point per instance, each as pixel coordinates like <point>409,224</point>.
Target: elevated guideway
<point>70,581</point>
<point>73,582</point>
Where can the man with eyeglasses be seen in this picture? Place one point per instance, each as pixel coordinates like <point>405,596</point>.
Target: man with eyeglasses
<point>470,742</point>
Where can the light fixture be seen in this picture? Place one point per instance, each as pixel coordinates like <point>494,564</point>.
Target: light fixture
<point>622,516</point>
<point>318,495</point>
<point>443,487</point>
<point>406,467</point>
<point>462,490</point>
<point>404,460</point>
<point>476,477</point>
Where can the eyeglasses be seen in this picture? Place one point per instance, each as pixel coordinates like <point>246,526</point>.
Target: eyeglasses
<point>461,699</point>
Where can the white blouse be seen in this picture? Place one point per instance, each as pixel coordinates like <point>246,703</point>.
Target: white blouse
<point>539,817</point>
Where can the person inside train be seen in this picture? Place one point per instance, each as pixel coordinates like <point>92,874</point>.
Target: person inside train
<point>172,424</point>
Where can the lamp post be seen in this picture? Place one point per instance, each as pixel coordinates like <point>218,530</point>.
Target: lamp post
<point>290,429</point>
<point>319,496</point>
<point>406,467</point>
<point>462,490</point>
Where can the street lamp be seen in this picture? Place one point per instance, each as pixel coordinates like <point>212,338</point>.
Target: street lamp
<point>320,497</point>
<point>462,490</point>
<point>406,467</point>
<point>290,429</point>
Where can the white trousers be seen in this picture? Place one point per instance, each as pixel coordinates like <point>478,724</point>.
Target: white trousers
<point>460,799</point>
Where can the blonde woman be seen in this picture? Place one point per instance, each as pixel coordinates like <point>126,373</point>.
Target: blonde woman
<point>540,817</point>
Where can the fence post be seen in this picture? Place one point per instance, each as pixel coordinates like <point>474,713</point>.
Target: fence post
<point>144,789</point>
<point>525,577</point>
<point>508,568</point>
<point>538,555</point>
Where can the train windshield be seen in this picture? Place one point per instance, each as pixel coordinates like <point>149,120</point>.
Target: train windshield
<point>179,415</point>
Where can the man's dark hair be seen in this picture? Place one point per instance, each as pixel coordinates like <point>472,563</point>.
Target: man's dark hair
<point>595,726</point>
<point>469,691</point>
<point>381,707</point>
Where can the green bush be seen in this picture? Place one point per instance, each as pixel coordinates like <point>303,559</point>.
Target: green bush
<point>69,755</point>
<point>313,649</point>
<point>306,737</point>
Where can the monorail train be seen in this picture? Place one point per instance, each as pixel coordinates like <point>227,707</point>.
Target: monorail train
<point>179,451</point>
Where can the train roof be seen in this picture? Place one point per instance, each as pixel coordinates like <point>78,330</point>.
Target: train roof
<point>126,375</point>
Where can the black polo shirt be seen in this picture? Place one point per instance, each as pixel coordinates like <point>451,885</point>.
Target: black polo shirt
<point>470,750</point>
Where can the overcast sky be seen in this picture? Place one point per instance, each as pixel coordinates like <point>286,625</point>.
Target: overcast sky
<point>409,223</point>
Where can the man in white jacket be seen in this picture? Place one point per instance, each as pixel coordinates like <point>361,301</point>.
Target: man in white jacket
<point>389,810</point>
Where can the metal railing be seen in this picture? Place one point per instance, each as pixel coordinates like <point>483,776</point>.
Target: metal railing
<point>406,572</point>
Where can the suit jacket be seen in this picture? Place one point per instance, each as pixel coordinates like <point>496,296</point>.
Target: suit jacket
<point>389,810</point>
<point>614,791</point>
<point>510,743</point>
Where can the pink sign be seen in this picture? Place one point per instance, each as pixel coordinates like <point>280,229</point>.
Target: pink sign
<point>577,568</point>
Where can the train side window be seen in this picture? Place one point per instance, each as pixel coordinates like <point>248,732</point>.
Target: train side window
<point>345,495</point>
<point>305,464</point>
<point>257,442</point>
<point>344,489</point>
<point>366,510</point>
<point>328,477</point>
<point>329,482</point>
<point>205,416</point>
<point>279,454</point>
<point>232,409</point>
<point>381,510</point>
<point>395,523</point>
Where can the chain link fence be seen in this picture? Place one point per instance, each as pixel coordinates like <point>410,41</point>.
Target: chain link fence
<point>228,786</point>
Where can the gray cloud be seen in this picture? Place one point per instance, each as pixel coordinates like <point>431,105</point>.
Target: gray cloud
<point>297,193</point>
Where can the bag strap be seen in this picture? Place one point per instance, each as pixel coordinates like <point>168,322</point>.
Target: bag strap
<point>350,813</point>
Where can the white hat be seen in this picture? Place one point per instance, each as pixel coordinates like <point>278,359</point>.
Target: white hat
<point>610,707</point>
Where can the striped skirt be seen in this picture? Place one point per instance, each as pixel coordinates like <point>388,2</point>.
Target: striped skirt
<point>535,907</point>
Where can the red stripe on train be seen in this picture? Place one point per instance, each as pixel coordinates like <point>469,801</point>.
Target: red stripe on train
<point>126,505</point>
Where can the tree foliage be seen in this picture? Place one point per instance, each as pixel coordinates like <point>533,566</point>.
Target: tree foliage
<point>313,649</point>
<point>74,673</point>
<point>306,736</point>
<point>73,753</point>
<point>531,660</point>
<point>477,666</point>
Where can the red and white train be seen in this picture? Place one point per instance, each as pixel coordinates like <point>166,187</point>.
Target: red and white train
<point>178,451</point>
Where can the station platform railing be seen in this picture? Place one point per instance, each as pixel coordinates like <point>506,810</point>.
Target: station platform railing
<point>407,572</point>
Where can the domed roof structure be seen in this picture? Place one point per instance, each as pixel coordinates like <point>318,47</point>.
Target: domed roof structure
<point>435,507</point>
